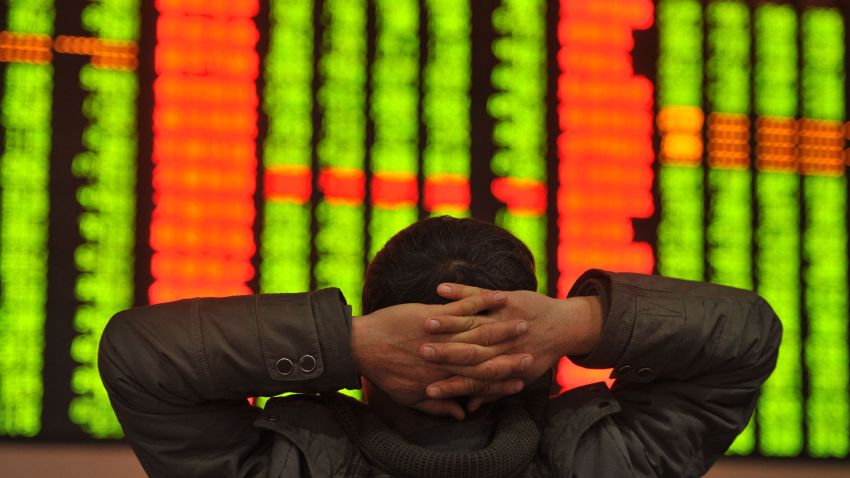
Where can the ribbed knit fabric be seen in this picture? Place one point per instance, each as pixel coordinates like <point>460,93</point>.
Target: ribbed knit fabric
<point>510,451</point>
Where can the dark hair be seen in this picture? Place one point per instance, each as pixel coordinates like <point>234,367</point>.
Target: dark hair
<point>446,249</point>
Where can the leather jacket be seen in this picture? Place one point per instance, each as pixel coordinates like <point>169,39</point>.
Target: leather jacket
<point>688,359</point>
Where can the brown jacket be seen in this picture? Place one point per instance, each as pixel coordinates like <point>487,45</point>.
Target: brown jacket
<point>688,358</point>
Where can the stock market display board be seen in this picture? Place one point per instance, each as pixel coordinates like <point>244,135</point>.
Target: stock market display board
<point>155,150</point>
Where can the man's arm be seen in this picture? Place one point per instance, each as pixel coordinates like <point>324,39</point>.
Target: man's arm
<point>688,357</point>
<point>178,374</point>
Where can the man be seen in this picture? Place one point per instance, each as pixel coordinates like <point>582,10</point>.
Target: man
<point>688,359</point>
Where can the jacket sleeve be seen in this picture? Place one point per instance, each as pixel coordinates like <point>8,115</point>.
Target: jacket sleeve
<point>178,374</point>
<point>688,359</point>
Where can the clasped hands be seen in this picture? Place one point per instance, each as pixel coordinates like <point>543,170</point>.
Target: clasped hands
<point>485,344</point>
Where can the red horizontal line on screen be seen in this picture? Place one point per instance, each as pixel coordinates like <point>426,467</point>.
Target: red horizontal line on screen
<point>446,191</point>
<point>521,196</point>
<point>111,54</point>
<point>777,144</point>
<point>681,135</point>
<point>37,48</point>
<point>394,189</point>
<point>288,182</point>
<point>728,141</point>
<point>821,147</point>
<point>343,186</point>
<point>25,48</point>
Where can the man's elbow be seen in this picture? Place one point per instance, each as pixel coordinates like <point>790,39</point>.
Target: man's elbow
<point>119,338</point>
<point>773,326</point>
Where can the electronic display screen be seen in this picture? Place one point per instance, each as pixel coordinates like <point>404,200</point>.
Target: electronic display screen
<point>156,150</point>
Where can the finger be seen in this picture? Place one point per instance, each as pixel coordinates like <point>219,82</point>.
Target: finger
<point>451,290</point>
<point>468,306</point>
<point>475,303</point>
<point>441,408</point>
<point>462,354</point>
<point>501,367</point>
<point>458,385</point>
<point>492,333</point>
<point>463,323</point>
<point>454,324</point>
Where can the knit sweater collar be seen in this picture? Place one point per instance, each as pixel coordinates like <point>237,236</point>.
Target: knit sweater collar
<point>500,446</point>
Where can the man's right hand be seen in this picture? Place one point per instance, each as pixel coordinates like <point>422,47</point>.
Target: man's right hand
<point>386,350</point>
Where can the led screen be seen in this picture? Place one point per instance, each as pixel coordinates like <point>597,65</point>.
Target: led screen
<point>159,150</point>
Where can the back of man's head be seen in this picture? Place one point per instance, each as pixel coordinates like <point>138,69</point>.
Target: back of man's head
<point>446,249</point>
